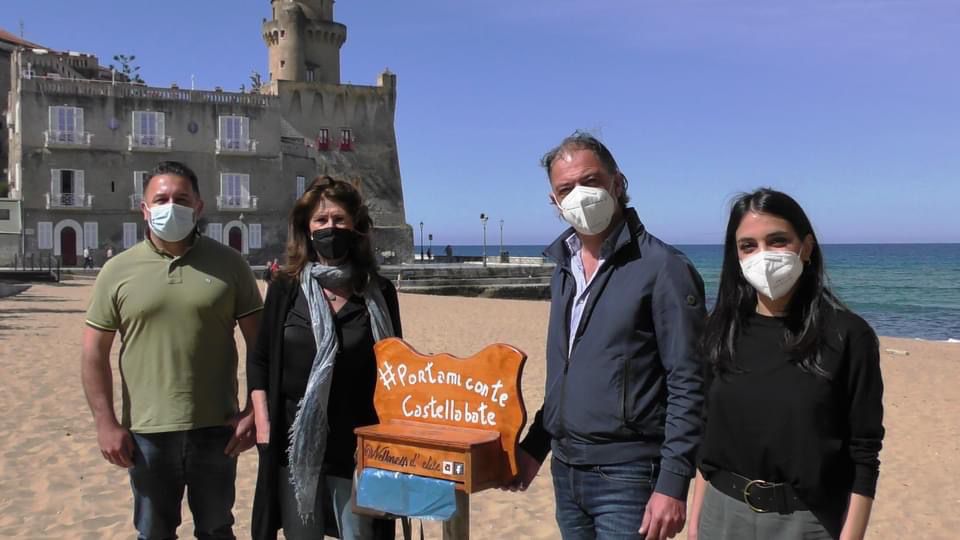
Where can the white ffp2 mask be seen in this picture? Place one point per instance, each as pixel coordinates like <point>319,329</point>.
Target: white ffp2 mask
<point>772,273</point>
<point>171,222</point>
<point>588,209</point>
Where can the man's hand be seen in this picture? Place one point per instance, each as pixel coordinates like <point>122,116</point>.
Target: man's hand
<point>116,444</point>
<point>244,433</point>
<point>528,471</point>
<point>663,518</point>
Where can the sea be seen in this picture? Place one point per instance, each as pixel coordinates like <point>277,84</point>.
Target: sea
<point>902,290</point>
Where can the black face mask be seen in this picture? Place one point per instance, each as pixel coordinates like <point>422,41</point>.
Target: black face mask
<point>333,243</point>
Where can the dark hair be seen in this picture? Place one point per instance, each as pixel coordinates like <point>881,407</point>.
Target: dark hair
<point>581,140</point>
<point>737,299</point>
<point>175,168</point>
<point>300,244</point>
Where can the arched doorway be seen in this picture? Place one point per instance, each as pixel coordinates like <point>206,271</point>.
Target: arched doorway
<point>235,238</point>
<point>68,246</point>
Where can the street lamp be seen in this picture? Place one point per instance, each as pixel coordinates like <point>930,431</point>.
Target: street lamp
<point>483,221</point>
<point>501,238</point>
<point>421,241</point>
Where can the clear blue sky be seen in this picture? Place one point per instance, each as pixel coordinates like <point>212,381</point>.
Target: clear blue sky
<point>852,106</point>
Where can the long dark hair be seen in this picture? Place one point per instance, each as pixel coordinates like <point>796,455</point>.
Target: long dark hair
<point>299,243</point>
<point>737,299</point>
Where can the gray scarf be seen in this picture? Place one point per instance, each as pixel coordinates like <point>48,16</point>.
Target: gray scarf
<point>308,434</point>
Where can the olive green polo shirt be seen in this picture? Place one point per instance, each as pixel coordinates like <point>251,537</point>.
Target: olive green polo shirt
<point>176,318</point>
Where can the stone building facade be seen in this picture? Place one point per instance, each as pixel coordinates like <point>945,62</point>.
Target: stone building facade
<point>80,145</point>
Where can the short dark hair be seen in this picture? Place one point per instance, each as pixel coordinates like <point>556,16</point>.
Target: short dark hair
<point>581,140</point>
<point>177,168</point>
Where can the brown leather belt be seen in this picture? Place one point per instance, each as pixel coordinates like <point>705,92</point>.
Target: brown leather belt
<point>759,495</point>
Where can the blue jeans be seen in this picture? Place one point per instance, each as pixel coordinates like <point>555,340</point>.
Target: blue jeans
<point>336,493</point>
<point>166,463</point>
<point>602,501</point>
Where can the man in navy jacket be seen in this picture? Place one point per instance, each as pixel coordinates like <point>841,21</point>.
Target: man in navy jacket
<point>622,407</point>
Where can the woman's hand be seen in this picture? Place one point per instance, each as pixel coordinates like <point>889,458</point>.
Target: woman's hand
<point>261,416</point>
<point>263,431</point>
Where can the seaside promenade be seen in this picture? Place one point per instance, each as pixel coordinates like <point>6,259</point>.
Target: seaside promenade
<point>55,484</point>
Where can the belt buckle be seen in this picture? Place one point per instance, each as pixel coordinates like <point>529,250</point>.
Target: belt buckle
<point>746,494</point>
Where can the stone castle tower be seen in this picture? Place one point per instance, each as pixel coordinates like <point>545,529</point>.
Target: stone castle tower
<point>304,41</point>
<point>348,128</point>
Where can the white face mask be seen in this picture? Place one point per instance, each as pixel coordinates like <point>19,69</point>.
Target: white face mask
<point>772,273</point>
<point>588,209</point>
<point>171,222</point>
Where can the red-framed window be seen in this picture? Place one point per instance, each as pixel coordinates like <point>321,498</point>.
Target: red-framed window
<point>346,139</point>
<point>323,139</point>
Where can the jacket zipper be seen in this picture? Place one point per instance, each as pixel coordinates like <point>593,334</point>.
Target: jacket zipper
<point>566,369</point>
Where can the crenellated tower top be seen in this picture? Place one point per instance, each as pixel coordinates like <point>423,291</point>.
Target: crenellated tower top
<point>304,41</point>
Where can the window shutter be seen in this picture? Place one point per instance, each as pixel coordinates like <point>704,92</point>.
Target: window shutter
<point>137,129</point>
<point>301,185</point>
<point>161,128</point>
<point>55,182</point>
<point>244,128</point>
<point>129,235</point>
<point>90,234</point>
<point>54,118</point>
<point>78,120</point>
<point>223,128</point>
<point>244,186</point>
<point>215,231</point>
<point>254,236</point>
<point>78,185</point>
<point>45,235</point>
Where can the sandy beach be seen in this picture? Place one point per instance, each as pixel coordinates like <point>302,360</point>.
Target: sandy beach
<point>55,484</point>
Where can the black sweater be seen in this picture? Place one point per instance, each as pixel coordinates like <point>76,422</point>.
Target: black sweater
<point>777,423</point>
<point>271,367</point>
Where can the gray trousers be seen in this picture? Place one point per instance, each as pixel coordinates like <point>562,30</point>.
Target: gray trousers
<point>725,518</point>
<point>334,489</point>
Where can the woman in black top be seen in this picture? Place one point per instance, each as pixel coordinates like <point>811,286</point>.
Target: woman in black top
<point>794,394</point>
<point>313,372</point>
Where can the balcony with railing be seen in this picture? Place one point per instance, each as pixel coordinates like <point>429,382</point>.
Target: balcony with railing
<point>66,139</point>
<point>69,201</point>
<point>236,203</point>
<point>149,143</point>
<point>236,146</point>
<point>135,201</point>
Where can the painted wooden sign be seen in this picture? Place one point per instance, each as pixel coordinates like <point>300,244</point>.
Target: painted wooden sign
<point>445,417</point>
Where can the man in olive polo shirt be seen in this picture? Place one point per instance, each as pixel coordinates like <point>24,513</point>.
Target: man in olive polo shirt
<point>175,299</point>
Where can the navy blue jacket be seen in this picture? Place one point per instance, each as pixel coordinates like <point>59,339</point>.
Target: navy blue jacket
<point>632,387</point>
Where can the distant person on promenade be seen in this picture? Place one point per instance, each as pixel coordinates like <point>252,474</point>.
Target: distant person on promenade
<point>313,371</point>
<point>109,253</point>
<point>87,259</point>
<point>622,407</point>
<point>175,299</point>
<point>794,394</point>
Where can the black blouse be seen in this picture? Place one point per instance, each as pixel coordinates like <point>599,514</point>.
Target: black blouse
<point>284,329</point>
<point>354,377</point>
<point>774,422</point>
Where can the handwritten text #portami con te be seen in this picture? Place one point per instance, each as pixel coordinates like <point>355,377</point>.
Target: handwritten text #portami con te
<point>402,376</point>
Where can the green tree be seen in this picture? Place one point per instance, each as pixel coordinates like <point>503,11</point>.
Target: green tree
<point>256,82</point>
<point>126,67</point>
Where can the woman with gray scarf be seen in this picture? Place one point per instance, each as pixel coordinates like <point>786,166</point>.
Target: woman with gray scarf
<point>313,372</point>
